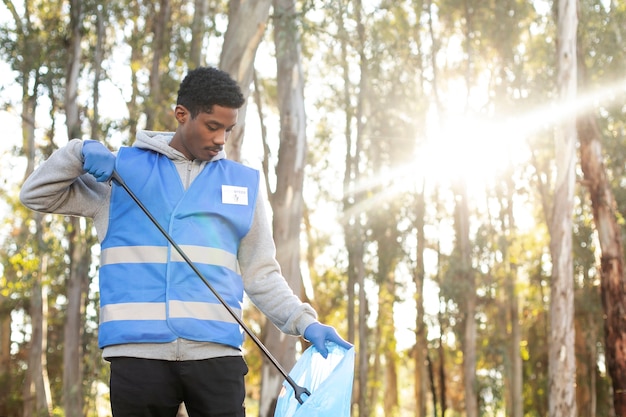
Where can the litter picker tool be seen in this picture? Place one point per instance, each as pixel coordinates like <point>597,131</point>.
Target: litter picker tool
<point>298,390</point>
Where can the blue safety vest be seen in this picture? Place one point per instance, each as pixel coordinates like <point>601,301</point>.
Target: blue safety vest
<point>148,293</point>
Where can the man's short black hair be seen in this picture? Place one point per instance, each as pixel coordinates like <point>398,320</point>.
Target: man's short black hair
<point>204,87</point>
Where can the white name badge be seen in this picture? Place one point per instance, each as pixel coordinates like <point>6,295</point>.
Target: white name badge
<point>234,195</point>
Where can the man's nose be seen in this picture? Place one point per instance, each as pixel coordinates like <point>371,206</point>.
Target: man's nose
<point>221,137</point>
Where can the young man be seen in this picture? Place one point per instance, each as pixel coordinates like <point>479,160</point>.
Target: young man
<point>167,337</point>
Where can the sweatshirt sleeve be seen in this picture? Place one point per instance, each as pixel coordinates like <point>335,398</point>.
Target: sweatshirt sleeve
<point>264,283</point>
<point>60,185</point>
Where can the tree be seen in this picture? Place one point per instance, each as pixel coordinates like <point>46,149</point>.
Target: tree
<point>352,197</point>
<point>198,27</point>
<point>247,21</point>
<point>466,276</point>
<point>161,26</point>
<point>513,359</point>
<point>613,286</point>
<point>79,263</point>
<point>605,215</point>
<point>286,200</point>
<point>421,346</point>
<point>28,59</point>
<point>562,360</point>
<point>383,223</point>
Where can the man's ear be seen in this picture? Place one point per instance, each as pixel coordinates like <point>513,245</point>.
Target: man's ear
<point>181,113</point>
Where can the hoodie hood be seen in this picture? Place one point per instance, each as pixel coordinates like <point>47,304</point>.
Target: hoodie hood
<point>160,142</point>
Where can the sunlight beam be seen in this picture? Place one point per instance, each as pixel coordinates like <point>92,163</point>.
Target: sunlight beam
<point>476,149</point>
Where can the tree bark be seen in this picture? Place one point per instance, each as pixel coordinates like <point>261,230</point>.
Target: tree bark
<point>513,362</point>
<point>386,327</point>
<point>161,29</point>
<point>246,25</point>
<point>562,359</point>
<point>5,354</point>
<point>36,390</point>
<point>286,201</point>
<point>356,238</point>
<point>98,57</point>
<point>198,27</point>
<point>37,398</point>
<point>80,260</point>
<point>421,343</point>
<point>29,106</point>
<point>443,397</point>
<point>350,228</point>
<point>612,282</point>
<point>72,353</point>
<point>135,41</point>
<point>467,277</point>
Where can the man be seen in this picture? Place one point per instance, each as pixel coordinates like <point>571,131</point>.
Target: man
<point>167,337</point>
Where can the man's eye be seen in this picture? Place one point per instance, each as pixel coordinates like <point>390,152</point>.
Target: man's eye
<point>213,128</point>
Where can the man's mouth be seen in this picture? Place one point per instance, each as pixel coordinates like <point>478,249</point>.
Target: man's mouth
<point>215,150</point>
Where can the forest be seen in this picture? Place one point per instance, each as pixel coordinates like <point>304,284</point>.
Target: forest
<point>445,180</point>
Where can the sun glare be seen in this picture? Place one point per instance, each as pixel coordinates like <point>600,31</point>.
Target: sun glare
<point>479,149</point>
<point>458,145</point>
<point>466,149</point>
<point>475,148</point>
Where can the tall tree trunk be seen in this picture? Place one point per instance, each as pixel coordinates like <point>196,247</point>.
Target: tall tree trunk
<point>348,200</point>
<point>562,359</point>
<point>384,231</point>
<point>198,28</point>
<point>72,353</point>
<point>135,42</point>
<point>36,391</point>
<point>246,25</point>
<point>161,29</point>
<point>513,363</point>
<point>612,282</point>
<point>357,236</point>
<point>423,375</point>
<point>517,377</point>
<point>443,397</point>
<point>5,354</point>
<point>37,398</point>
<point>386,326</point>
<point>433,57</point>
<point>421,344</point>
<point>467,277</point>
<point>287,201</point>
<point>72,71</point>
<point>98,57</point>
<point>351,223</point>
<point>469,342</point>
<point>29,107</point>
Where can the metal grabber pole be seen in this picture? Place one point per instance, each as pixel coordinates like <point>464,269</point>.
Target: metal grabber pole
<point>298,390</point>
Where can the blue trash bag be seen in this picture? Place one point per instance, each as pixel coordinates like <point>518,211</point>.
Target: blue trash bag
<point>329,381</point>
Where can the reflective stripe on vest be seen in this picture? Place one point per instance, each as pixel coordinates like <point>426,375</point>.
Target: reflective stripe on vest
<point>148,293</point>
<point>159,254</point>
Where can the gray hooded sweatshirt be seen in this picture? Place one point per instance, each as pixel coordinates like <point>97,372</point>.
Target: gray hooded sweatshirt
<point>60,185</point>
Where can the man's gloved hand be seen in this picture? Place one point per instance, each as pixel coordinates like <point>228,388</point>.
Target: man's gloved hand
<point>98,160</point>
<point>318,334</point>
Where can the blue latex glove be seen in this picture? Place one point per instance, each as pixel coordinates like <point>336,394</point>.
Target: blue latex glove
<point>318,334</point>
<point>98,160</point>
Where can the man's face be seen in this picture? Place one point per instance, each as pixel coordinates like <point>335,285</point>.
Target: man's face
<point>203,137</point>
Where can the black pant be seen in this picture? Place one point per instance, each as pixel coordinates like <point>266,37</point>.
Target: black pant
<point>154,388</point>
